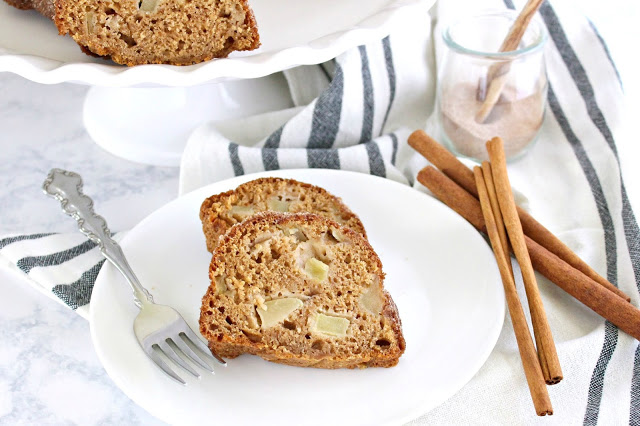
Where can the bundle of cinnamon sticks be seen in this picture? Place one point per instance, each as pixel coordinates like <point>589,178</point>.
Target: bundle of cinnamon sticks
<point>484,198</point>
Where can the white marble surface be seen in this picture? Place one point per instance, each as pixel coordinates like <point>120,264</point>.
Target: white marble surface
<point>49,372</point>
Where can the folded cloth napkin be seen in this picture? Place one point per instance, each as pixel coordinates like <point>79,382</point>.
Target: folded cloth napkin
<point>356,112</point>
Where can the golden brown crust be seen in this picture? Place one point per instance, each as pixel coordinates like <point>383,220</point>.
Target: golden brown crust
<point>214,211</point>
<point>374,341</point>
<point>252,24</point>
<point>231,350</point>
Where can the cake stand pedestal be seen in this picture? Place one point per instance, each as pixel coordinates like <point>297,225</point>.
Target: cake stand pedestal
<point>152,125</point>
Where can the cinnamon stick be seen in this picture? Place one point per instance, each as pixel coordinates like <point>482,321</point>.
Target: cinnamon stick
<point>605,303</point>
<point>544,339</point>
<point>619,312</point>
<point>519,27</point>
<point>492,93</point>
<point>497,74</point>
<point>495,208</point>
<point>528,356</point>
<point>444,160</point>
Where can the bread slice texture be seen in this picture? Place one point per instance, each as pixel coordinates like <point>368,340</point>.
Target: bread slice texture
<point>300,289</point>
<point>220,212</point>
<point>134,32</point>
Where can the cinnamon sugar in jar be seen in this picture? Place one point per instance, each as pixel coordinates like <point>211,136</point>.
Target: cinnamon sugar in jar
<point>473,68</point>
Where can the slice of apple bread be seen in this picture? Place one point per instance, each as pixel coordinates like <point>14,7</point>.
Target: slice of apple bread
<point>219,212</point>
<point>300,289</point>
<point>134,32</point>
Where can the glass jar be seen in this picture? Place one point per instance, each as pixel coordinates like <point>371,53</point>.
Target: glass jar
<point>483,93</point>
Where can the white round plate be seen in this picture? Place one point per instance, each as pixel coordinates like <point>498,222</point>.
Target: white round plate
<point>440,272</point>
<point>292,33</point>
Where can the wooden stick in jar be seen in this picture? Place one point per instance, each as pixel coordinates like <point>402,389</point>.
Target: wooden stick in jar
<point>444,160</point>
<point>544,339</point>
<point>519,27</point>
<point>610,306</point>
<point>528,356</point>
<point>497,74</point>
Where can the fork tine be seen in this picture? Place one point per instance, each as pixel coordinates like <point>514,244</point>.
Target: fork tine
<point>191,354</point>
<point>164,367</point>
<point>189,334</point>
<point>173,356</point>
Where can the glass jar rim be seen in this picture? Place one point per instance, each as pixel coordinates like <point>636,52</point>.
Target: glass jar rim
<point>538,43</point>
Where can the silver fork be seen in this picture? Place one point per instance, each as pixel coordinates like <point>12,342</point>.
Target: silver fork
<point>158,328</point>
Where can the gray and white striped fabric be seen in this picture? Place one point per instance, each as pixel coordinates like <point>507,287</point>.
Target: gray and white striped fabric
<point>355,113</point>
<point>63,266</point>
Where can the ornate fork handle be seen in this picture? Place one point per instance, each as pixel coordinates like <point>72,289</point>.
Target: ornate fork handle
<point>66,187</point>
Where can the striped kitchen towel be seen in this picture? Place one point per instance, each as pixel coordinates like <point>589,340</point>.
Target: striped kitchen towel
<point>353,113</point>
<point>356,112</point>
<point>63,266</point>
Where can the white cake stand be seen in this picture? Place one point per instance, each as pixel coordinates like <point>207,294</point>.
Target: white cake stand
<point>145,113</point>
